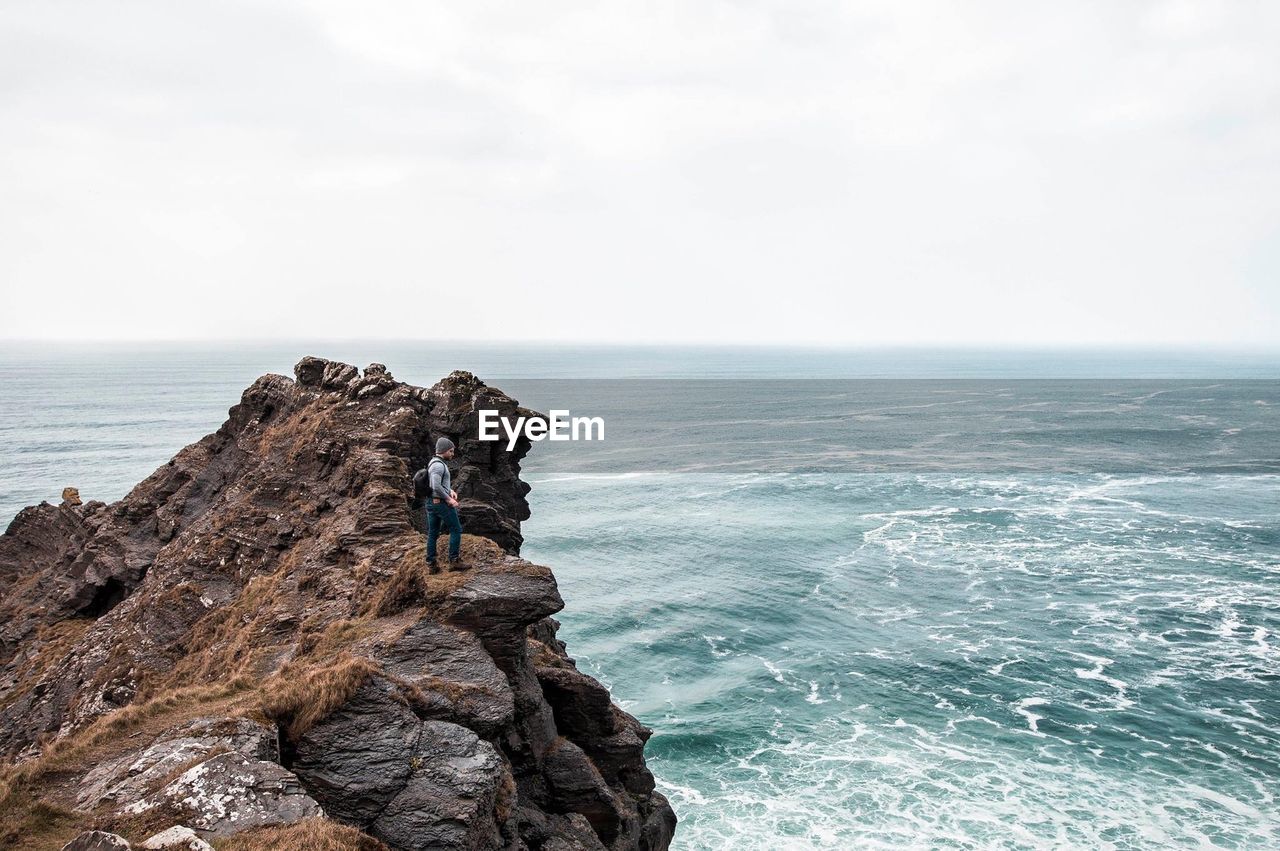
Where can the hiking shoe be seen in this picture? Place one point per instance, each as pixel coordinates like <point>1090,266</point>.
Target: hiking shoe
<point>433,566</point>
<point>456,564</point>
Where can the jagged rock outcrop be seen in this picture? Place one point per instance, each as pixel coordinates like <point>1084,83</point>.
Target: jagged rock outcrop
<point>250,642</point>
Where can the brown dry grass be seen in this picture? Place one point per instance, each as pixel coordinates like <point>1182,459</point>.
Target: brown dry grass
<point>411,585</point>
<point>224,644</point>
<point>315,834</point>
<point>110,729</point>
<point>54,641</point>
<point>35,825</point>
<point>333,638</point>
<point>300,433</point>
<point>507,796</point>
<point>457,693</point>
<point>298,697</point>
<point>406,588</point>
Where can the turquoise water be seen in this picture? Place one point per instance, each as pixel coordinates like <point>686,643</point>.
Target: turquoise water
<point>937,661</point>
<point>998,612</point>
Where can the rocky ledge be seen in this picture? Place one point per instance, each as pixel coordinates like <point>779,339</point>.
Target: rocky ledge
<point>248,650</point>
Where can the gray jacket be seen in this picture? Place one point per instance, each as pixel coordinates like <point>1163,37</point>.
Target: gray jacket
<point>438,478</point>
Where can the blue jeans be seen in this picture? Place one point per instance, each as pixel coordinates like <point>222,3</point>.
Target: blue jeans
<point>442,515</point>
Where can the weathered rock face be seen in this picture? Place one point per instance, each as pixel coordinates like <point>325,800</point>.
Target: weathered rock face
<point>251,638</point>
<point>126,781</point>
<point>97,840</point>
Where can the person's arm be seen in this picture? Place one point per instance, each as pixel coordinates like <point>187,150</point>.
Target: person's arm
<point>435,473</point>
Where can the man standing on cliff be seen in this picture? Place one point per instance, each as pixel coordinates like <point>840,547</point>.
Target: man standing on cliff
<point>442,504</point>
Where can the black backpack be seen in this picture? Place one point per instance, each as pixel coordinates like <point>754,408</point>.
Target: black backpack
<point>422,485</point>
<point>421,488</point>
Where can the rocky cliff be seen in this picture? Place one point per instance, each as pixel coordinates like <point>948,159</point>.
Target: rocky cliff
<point>249,648</point>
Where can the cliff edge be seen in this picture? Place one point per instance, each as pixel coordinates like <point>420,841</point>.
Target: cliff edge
<point>247,650</point>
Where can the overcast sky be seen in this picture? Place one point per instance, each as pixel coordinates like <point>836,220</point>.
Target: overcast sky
<point>759,172</point>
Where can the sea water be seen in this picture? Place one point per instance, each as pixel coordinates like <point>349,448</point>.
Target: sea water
<point>1017,601</point>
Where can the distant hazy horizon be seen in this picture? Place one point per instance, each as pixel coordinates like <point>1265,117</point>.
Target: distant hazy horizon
<point>993,346</point>
<point>425,361</point>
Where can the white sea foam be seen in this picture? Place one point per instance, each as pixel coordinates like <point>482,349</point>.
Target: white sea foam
<point>1022,707</point>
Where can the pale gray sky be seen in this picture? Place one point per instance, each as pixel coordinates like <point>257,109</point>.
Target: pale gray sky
<point>870,172</point>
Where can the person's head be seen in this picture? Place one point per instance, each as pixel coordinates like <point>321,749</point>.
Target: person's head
<point>444,448</point>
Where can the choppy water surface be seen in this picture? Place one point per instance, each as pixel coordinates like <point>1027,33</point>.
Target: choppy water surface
<point>929,661</point>
<point>886,614</point>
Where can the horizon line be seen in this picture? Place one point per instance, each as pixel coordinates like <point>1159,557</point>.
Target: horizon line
<point>1198,346</point>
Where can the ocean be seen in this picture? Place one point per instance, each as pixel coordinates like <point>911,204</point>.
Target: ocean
<point>864,598</point>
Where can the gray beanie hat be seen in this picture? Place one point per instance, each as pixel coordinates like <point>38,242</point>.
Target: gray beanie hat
<point>443,445</point>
